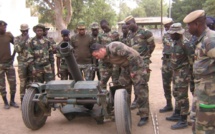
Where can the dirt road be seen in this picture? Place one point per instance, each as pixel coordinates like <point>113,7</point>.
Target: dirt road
<point>11,120</point>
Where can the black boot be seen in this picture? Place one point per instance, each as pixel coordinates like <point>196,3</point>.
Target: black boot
<point>168,107</point>
<point>175,116</point>
<point>142,121</point>
<point>134,103</point>
<point>6,105</point>
<point>12,102</point>
<point>182,123</point>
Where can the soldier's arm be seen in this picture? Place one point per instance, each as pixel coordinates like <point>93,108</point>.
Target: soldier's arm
<point>210,47</point>
<point>30,51</point>
<point>150,41</point>
<point>189,50</point>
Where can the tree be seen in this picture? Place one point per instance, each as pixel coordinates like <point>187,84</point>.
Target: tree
<point>124,11</point>
<point>209,7</point>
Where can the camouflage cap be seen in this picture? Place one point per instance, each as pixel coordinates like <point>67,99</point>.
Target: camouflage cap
<point>24,27</point>
<point>39,26</point>
<point>167,21</point>
<point>193,16</point>
<point>94,25</point>
<point>65,32</point>
<point>81,25</point>
<point>3,23</point>
<point>176,28</point>
<point>128,18</point>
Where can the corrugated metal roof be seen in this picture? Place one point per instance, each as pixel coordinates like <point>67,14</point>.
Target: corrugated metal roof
<point>146,20</point>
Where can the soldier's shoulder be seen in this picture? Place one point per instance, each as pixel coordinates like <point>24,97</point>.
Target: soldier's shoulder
<point>9,34</point>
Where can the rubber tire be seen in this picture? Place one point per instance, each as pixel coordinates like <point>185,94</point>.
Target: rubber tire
<point>122,112</point>
<point>31,120</point>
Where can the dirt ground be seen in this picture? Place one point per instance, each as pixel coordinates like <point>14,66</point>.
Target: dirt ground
<point>11,120</point>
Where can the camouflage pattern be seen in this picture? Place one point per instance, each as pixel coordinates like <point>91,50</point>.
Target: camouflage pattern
<point>8,69</point>
<point>23,68</point>
<point>124,40</point>
<point>204,73</point>
<point>166,66</point>
<point>86,70</point>
<point>131,63</point>
<point>181,53</point>
<point>40,56</point>
<point>95,61</point>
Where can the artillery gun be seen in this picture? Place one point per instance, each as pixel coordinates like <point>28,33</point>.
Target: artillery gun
<point>75,96</point>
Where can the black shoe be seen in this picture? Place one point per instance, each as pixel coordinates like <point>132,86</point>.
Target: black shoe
<point>6,106</point>
<point>179,125</point>
<point>142,121</point>
<point>174,117</point>
<point>13,104</point>
<point>166,109</point>
<point>133,105</point>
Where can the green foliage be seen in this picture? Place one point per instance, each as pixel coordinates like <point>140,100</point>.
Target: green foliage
<point>209,7</point>
<point>124,11</point>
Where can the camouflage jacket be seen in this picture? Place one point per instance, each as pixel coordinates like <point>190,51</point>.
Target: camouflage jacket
<point>39,51</point>
<point>142,41</point>
<point>124,40</point>
<point>52,44</point>
<point>95,39</point>
<point>21,48</point>
<point>181,53</point>
<point>105,38</point>
<point>167,43</point>
<point>205,54</point>
<point>123,56</point>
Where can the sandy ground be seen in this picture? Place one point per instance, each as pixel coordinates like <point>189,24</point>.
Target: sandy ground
<point>11,120</point>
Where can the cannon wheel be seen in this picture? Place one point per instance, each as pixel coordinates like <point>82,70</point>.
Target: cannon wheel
<point>32,115</point>
<point>122,112</point>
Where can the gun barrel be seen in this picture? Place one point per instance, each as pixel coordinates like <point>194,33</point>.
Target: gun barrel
<point>67,53</point>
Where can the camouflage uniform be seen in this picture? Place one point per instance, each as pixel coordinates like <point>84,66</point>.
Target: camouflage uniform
<point>95,61</point>
<point>124,40</point>
<point>204,73</point>
<point>23,68</point>
<point>40,56</point>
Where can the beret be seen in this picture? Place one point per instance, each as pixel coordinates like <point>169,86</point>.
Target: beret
<point>167,21</point>
<point>193,16</point>
<point>65,32</point>
<point>94,25</point>
<point>81,25</point>
<point>3,23</point>
<point>128,18</point>
<point>176,28</point>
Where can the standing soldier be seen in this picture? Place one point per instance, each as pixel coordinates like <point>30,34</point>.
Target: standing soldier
<point>181,54</point>
<point>166,66</point>
<point>23,68</point>
<point>81,43</point>
<point>6,66</point>
<point>40,56</point>
<point>133,71</point>
<point>62,69</point>
<point>203,110</point>
<point>124,37</point>
<point>142,41</point>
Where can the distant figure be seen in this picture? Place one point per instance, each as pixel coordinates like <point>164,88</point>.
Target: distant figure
<point>124,37</point>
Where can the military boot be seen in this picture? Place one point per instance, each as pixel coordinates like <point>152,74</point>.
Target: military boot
<point>175,116</point>
<point>6,105</point>
<point>168,107</point>
<point>142,121</point>
<point>134,103</point>
<point>12,102</point>
<point>182,123</point>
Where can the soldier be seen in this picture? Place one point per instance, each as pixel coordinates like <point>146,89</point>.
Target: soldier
<point>23,68</point>
<point>6,66</point>
<point>142,41</point>
<point>95,32</point>
<point>181,53</point>
<point>124,37</point>
<point>62,69</point>
<point>40,56</point>
<point>202,111</point>
<point>166,66</point>
<point>210,23</point>
<point>133,71</point>
<point>81,43</point>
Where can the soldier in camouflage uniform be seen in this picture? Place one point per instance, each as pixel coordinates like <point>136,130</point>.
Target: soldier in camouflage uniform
<point>142,41</point>
<point>40,56</point>
<point>23,68</point>
<point>124,37</point>
<point>203,110</point>
<point>166,66</point>
<point>81,43</point>
<point>133,71</point>
<point>62,69</point>
<point>6,66</point>
<point>181,59</point>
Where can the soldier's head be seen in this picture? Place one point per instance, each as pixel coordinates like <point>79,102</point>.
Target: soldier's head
<point>95,28</point>
<point>98,51</point>
<point>115,36</point>
<point>65,34</point>
<point>210,23</point>
<point>196,22</point>
<point>46,31</point>
<point>105,26</point>
<point>81,27</point>
<point>3,27</point>
<point>24,29</point>
<point>167,23</point>
<point>39,29</point>
<point>125,29</point>
<point>131,23</point>
<point>176,31</point>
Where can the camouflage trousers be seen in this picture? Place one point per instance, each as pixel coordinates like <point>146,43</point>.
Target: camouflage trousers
<point>25,77</point>
<point>146,63</point>
<point>140,88</point>
<point>204,93</point>
<point>166,71</point>
<point>8,70</point>
<point>65,74</point>
<point>42,73</point>
<point>86,70</point>
<point>181,79</point>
